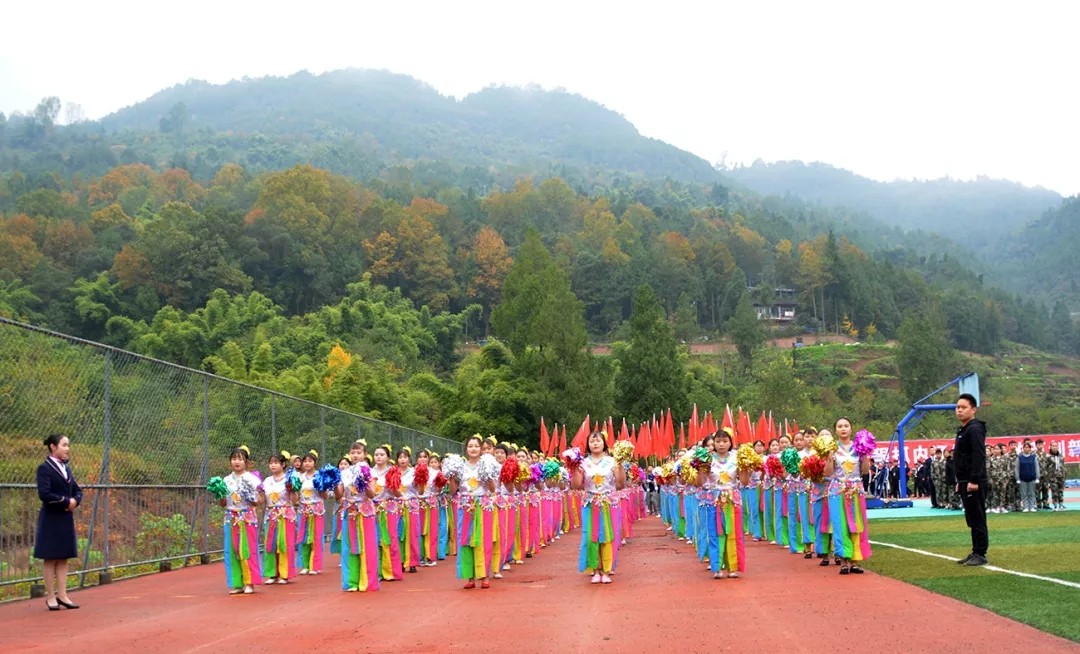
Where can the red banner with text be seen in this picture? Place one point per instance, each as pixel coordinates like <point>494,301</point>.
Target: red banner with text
<point>916,450</point>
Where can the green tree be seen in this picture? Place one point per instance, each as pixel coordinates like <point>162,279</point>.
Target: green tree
<point>651,370</point>
<point>746,331</point>
<point>685,319</point>
<point>925,358</point>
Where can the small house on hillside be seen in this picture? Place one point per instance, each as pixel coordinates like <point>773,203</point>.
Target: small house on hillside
<point>782,308</point>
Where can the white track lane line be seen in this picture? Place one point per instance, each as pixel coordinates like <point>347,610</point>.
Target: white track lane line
<point>994,568</point>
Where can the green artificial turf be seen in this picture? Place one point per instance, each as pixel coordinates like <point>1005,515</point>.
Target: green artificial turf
<point>1042,544</point>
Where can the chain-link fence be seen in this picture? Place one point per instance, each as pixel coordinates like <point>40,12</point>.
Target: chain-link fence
<point>146,435</point>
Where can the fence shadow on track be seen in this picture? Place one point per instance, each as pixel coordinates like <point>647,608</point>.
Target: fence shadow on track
<point>146,435</point>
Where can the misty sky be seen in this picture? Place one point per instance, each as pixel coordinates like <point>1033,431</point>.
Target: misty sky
<point>886,89</point>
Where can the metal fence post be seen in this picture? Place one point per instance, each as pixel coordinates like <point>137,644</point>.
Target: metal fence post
<point>103,488</point>
<point>106,475</point>
<point>203,474</point>
<point>273,423</point>
<point>322,427</point>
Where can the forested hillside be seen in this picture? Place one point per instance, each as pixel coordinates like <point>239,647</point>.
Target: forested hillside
<point>975,215</point>
<point>248,254</point>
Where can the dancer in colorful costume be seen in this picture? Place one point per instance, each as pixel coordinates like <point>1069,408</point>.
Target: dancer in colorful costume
<point>599,476</point>
<point>473,486</point>
<point>242,570</point>
<point>847,500</point>
<point>725,545</point>
<point>310,523</point>
<point>358,531</point>
<point>279,537</point>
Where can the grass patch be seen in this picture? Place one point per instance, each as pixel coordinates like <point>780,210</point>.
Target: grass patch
<point>1047,545</point>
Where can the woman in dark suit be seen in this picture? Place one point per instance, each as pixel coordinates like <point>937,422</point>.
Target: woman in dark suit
<point>55,540</point>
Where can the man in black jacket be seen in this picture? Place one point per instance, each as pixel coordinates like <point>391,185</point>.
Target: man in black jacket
<point>969,455</point>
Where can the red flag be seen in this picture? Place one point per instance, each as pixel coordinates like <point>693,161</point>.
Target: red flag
<point>562,442</point>
<point>728,422</point>
<point>646,439</point>
<point>772,425</point>
<point>743,429</point>
<point>610,429</point>
<point>710,423</point>
<point>692,428</point>
<point>794,427</point>
<point>545,439</point>
<point>581,438</point>
<point>669,433</point>
<point>682,437</point>
<point>624,433</point>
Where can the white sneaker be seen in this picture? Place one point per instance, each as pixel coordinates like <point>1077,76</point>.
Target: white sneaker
<point>595,578</point>
<point>269,580</point>
<point>248,590</point>
<point>734,575</point>
<point>497,575</point>
<point>605,579</point>
<point>506,566</point>
<point>304,571</point>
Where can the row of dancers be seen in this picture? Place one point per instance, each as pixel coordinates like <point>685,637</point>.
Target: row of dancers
<point>393,519</point>
<point>719,510</point>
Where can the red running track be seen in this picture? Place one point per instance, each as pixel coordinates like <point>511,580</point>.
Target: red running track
<point>662,600</point>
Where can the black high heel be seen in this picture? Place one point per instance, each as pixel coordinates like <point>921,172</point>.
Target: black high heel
<point>66,605</point>
<point>52,607</point>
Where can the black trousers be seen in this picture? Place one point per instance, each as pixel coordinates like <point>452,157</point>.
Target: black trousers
<point>975,516</point>
<point>933,496</point>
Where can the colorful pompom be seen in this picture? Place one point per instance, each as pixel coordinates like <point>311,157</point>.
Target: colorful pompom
<point>824,445</point>
<point>216,487</point>
<point>293,482</point>
<point>453,466</point>
<point>748,459</point>
<point>635,473</point>
<point>487,469</point>
<point>326,478</point>
<point>247,491</point>
<point>572,458</point>
<point>688,473</point>
<point>813,468</point>
<point>864,443</point>
<point>789,458</point>
<point>773,466</point>
<point>524,474</point>
<point>363,478</point>
<point>667,472</point>
<point>393,479</point>
<point>623,451</point>
<point>508,474</point>
<point>536,472</point>
<point>700,457</point>
<point>440,481</point>
<point>551,469</point>
<point>420,476</point>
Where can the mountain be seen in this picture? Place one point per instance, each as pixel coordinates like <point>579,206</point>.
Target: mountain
<point>400,117</point>
<point>1040,257</point>
<point>977,213</point>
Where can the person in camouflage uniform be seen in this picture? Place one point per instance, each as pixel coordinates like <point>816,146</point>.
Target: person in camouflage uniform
<point>1042,492</point>
<point>952,497</point>
<point>1012,493</point>
<point>1001,479</point>
<point>937,477</point>
<point>994,487</point>
<point>1055,471</point>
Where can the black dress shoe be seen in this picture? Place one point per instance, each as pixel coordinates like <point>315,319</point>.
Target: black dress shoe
<point>52,607</point>
<point>66,605</point>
